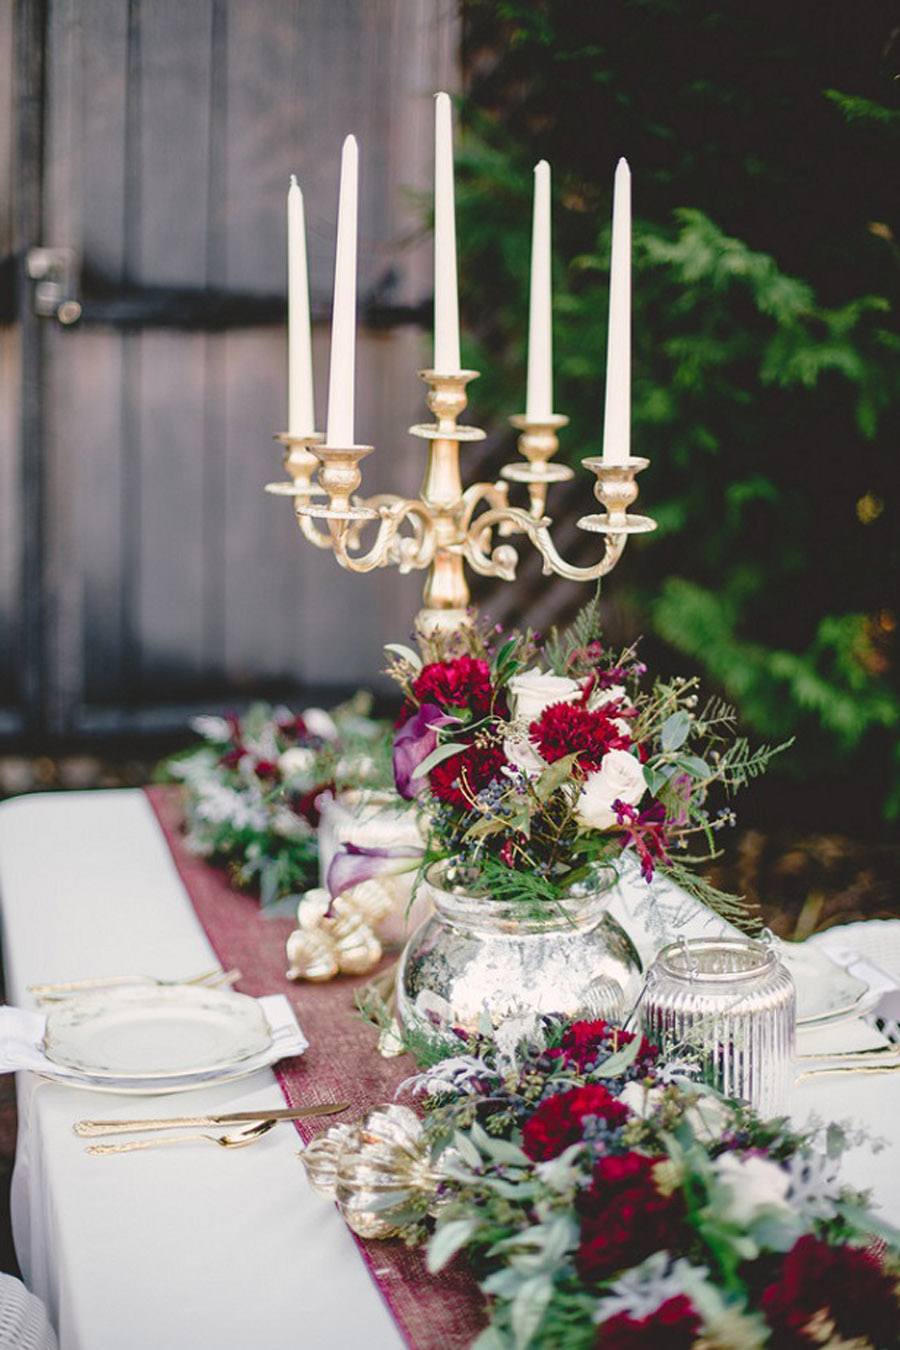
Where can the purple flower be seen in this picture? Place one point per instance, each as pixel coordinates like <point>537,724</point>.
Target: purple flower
<point>353,863</point>
<point>413,743</point>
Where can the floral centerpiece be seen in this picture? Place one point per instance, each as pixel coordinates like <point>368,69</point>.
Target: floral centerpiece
<point>535,763</point>
<point>534,766</point>
<point>253,787</point>
<point>604,1198</point>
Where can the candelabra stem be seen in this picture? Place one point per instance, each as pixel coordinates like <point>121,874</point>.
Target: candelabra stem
<point>446,593</point>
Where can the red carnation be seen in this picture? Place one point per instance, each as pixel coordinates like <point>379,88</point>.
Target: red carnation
<point>841,1290</point>
<point>624,1218</point>
<point>586,1043</point>
<point>458,779</point>
<point>674,1326</point>
<point>461,683</point>
<point>265,769</point>
<point>570,729</point>
<point>561,1120</point>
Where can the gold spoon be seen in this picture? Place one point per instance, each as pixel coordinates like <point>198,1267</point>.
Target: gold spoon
<point>237,1139</point>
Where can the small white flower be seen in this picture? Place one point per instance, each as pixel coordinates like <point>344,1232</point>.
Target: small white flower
<point>536,689</point>
<point>619,778</point>
<point>320,723</point>
<point>747,1185</point>
<point>211,728</point>
<point>296,762</point>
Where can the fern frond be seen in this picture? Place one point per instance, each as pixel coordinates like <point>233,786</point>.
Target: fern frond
<point>584,629</point>
<point>734,909</point>
<point>739,764</point>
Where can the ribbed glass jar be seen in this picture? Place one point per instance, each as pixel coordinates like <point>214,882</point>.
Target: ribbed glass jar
<point>729,1003</point>
<point>478,957</point>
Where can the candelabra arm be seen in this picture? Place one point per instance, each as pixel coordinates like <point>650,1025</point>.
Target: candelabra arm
<point>615,489</point>
<point>496,494</point>
<point>502,560</point>
<point>301,466</point>
<point>408,552</point>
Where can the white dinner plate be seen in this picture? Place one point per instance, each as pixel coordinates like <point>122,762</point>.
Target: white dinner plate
<point>825,991</point>
<point>156,1033</point>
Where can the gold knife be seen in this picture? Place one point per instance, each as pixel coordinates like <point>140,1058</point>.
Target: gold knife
<point>89,1128</point>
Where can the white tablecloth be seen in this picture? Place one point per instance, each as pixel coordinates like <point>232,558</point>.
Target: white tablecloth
<point>197,1247</point>
<point>186,1248</point>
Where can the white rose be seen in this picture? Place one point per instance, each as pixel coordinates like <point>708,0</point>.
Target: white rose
<point>320,723</point>
<point>619,778</point>
<point>747,1185</point>
<point>536,690</point>
<point>297,761</point>
<point>643,1101</point>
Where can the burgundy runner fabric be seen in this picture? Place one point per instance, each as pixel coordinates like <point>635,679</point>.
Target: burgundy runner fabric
<point>443,1312</point>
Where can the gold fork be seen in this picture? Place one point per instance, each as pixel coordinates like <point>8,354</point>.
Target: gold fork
<point>237,1139</point>
<point>53,993</point>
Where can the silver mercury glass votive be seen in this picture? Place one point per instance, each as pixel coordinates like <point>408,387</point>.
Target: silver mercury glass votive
<point>728,1004</point>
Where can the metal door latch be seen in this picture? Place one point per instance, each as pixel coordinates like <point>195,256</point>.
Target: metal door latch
<point>55,274</point>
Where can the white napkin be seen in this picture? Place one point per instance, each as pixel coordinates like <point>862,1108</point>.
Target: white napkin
<point>22,1036</point>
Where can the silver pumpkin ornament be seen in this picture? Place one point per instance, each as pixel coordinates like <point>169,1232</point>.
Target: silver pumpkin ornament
<point>378,1171</point>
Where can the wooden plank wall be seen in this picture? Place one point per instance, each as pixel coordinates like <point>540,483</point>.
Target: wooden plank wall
<point>10,514</point>
<point>171,130</point>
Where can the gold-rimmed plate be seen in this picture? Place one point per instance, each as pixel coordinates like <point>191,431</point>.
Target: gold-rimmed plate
<point>156,1033</point>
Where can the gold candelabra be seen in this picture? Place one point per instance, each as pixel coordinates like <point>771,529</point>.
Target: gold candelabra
<point>448,525</point>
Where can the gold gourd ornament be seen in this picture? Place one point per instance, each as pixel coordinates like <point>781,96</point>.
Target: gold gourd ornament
<point>338,937</point>
<point>377,1171</point>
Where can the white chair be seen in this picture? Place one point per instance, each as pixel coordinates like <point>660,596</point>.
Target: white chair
<point>24,1324</point>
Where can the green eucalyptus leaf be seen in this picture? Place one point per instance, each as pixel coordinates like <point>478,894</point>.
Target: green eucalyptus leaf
<point>553,777</point>
<point>695,766</point>
<point>437,756</point>
<point>466,1149</point>
<point>620,1060</point>
<point>675,731</point>
<point>448,1239</point>
<point>528,1308</point>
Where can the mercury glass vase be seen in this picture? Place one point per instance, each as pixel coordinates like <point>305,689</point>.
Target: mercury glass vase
<point>477,958</point>
<point>728,1003</point>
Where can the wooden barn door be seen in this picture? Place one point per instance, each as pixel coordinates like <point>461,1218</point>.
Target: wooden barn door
<point>168,131</point>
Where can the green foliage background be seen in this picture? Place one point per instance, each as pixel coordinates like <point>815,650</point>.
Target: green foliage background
<point>763,139</point>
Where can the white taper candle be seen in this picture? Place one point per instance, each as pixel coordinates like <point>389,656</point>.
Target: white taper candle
<point>342,370</point>
<point>617,419</point>
<point>539,396</point>
<point>446,300</point>
<point>301,408</point>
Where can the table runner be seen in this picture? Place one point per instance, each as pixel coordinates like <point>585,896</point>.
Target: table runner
<point>341,1063</point>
